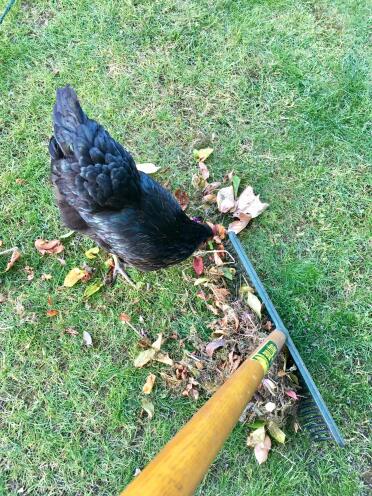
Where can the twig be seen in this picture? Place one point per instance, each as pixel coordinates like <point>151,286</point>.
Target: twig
<point>204,252</point>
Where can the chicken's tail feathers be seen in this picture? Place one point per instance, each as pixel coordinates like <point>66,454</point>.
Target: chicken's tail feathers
<point>67,117</point>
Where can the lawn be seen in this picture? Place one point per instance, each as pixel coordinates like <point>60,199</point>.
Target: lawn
<point>282,89</point>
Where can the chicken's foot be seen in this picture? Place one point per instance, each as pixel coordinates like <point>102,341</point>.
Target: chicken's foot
<point>118,269</point>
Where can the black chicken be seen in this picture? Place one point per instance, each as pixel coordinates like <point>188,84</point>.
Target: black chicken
<point>101,193</point>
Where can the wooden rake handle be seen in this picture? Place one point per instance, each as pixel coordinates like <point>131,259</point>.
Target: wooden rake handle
<point>180,466</point>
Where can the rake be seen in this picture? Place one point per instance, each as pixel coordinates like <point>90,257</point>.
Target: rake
<point>183,462</point>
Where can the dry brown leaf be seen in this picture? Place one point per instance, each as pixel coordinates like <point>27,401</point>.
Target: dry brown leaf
<point>238,225</point>
<point>217,259</point>
<point>71,331</point>
<point>148,406</point>
<point>198,182</point>
<point>203,170</point>
<point>225,199</point>
<point>261,450</point>
<point>144,357</point>
<point>149,384</point>
<point>210,187</point>
<point>249,203</point>
<point>44,246</point>
<point>30,272</point>
<point>182,198</point>
<point>52,313</point>
<point>147,168</point>
<point>46,277</point>
<point>16,255</point>
<point>214,345</point>
<point>3,298</point>
<point>164,358</point>
<point>256,437</point>
<point>210,198</point>
<point>156,345</point>
<point>124,317</point>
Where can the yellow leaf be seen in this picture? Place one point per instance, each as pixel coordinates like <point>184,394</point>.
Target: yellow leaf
<point>254,303</point>
<point>202,154</point>
<point>93,288</point>
<point>92,252</point>
<point>144,357</point>
<point>149,384</point>
<point>256,437</point>
<point>276,432</point>
<point>73,277</point>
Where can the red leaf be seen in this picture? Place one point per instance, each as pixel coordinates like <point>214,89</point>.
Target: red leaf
<point>198,266</point>
<point>292,394</point>
<point>182,198</point>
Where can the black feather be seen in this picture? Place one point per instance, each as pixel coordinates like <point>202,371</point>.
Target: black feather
<point>101,192</point>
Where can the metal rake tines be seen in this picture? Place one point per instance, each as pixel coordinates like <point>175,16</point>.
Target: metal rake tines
<point>312,420</point>
<point>320,420</point>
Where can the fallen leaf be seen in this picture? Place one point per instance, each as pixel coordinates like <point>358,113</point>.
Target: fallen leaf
<point>270,406</point>
<point>20,181</point>
<point>92,252</point>
<point>214,345</point>
<point>147,168</point>
<point>249,203</point>
<point>149,384</point>
<point>254,303</point>
<point>292,394</point>
<point>275,431</point>
<point>270,386</point>
<point>220,231</point>
<point>236,182</point>
<point>182,198</point>
<point>256,437</point>
<point>30,272</point>
<point>148,406</point>
<point>44,246</point>
<point>203,170</point>
<point>210,187</point>
<point>209,198</point>
<point>228,273</point>
<point>124,317</point>
<point>71,331</point>
<point>238,225</point>
<point>198,182</point>
<point>68,235</point>
<point>144,357</point>
<point>198,266</point>
<point>46,277</point>
<point>3,298</point>
<point>16,255</point>
<point>164,358</point>
<point>93,288</point>
<point>87,339</point>
<point>73,277</point>
<point>220,293</point>
<point>261,450</point>
<point>52,313</point>
<point>217,259</point>
<point>156,345</point>
<point>225,199</point>
<point>202,154</point>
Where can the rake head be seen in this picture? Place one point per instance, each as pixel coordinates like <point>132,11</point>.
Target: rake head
<point>313,411</point>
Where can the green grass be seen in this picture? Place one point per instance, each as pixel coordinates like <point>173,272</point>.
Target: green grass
<point>283,87</point>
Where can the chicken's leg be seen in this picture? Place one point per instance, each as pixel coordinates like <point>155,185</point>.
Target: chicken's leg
<point>118,269</point>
